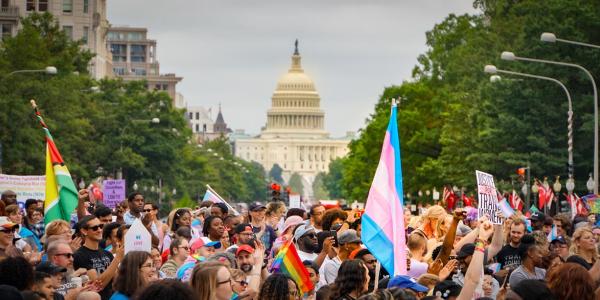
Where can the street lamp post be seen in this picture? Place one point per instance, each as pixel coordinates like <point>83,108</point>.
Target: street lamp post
<point>512,57</point>
<point>557,186</point>
<point>490,69</point>
<point>48,70</point>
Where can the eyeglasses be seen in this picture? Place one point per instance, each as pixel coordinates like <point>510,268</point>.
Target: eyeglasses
<point>96,227</point>
<point>241,282</point>
<point>224,281</point>
<point>186,248</point>
<point>67,255</point>
<point>151,266</point>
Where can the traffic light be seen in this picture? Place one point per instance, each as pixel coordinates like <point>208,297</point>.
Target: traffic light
<point>521,171</point>
<point>275,192</point>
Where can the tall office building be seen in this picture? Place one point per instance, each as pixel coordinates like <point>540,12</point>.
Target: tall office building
<point>134,58</point>
<point>80,19</point>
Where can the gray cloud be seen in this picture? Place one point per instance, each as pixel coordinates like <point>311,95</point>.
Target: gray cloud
<point>233,52</point>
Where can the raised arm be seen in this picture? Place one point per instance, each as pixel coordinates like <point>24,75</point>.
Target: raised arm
<point>476,266</point>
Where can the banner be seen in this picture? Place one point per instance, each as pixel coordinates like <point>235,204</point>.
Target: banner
<point>294,201</point>
<point>138,238</point>
<point>114,192</point>
<point>26,187</point>
<point>488,197</point>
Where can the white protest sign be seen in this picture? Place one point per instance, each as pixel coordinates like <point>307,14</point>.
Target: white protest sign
<point>26,187</point>
<point>294,201</point>
<point>138,238</point>
<point>488,197</point>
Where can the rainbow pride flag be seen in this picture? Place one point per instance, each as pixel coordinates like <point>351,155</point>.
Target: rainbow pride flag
<point>288,263</point>
<point>383,220</point>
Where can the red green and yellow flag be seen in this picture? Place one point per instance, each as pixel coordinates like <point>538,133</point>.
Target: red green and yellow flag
<point>288,262</point>
<point>61,194</point>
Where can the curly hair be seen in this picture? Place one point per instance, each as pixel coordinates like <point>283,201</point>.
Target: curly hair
<point>571,281</point>
<point>207,223</point>
<point>352,277</point>
<point>565,222</point>
<point>331,215</point>
<point>276,287</point>
<point>16,265</point>
<point>128,279</point>
<point>577,235</point>
<point>57,227</point>
<point>527,242</point>
<point>390,294</point>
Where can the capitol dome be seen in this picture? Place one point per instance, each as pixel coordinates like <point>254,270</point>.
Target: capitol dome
<point>295,105</point>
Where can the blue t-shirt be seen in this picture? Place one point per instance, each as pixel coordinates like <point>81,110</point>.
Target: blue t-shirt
<point>119,296</point>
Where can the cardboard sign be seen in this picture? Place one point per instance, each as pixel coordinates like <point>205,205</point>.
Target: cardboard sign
<point>26,187</point>
<point>114,192</point>
<point>294,201</point>
<point>138,238</point>
<point>488,197</point>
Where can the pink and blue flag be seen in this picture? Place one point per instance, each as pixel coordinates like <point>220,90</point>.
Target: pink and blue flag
<point>210,196</point>
<point>383,220</point>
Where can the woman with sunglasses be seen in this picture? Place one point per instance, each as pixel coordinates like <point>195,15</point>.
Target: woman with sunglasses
<point>240,285</point>
<point>7,235</point>
<point>212,281</point>
<point>179,251</point>
<point>135,273</point>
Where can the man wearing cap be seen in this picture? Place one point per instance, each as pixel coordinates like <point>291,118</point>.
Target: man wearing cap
<point>348,241</point>
<point>537,220</point>
<point>60,254</point>
<point>244,256</point>
<point>406,282</point>
<point>242,235</point>
<point>560,247</point>
<point>305,237</point>
<point>204,247</point>
<point>264,232</point>
<point>57,274</point>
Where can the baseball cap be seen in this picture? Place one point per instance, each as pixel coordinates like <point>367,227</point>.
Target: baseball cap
<point>348,236</point>
<point>302,230</point>
<point>256,206</point>
<point>559,239</point>
<point>537,216</point>
<point>6,223</point>
<point>243,227</point>
<point>406,282</point>
<point>462,229</point>
<point>466,250</point>
<point>204,242</point>
<point>50,268</point>
<point>246,248</point>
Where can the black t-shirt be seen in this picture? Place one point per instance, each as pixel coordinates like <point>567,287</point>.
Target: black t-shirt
<point>579,260</point>
<point>509,257</point>
<point>98,260</point>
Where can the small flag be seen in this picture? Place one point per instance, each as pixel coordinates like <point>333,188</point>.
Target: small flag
<point>515,201</point>
<point>507,211</point>
<point>383,222</point>
<point>61,194</point>
<point>288,262</point>
<point>553,233</point>
<point>545,194</point>
<point>449,198</point>
<point>467,201</point>
<point>210,196</point>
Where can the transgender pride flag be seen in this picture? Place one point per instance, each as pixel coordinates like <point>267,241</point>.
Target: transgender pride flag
<point>383,220</point>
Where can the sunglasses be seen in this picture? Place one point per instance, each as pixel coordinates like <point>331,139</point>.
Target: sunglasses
<point>9,230</point>
<point>96,227</point>
<point>241,282</point>
<point>67,255</point>
<point>147,210</point>
<point>310,235</point>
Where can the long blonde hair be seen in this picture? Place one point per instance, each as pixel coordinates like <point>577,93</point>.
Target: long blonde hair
<point>434,213</point>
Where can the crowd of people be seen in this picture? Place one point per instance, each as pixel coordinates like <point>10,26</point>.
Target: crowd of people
<point>210,252</point>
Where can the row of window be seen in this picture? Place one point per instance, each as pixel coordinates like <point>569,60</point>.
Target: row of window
<point>5,30</point>
<point>67,6</point>
<point>125,36</point>
<point>68,29</point>
<point>137,53</point>
<point>135,71</point>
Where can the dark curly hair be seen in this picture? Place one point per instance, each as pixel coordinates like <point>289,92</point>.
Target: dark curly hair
<point>16,265</point>
<point>276,287</point>
<point>352,276</point>
<point>331,215</point>
<point>527,242</point>
<point>207,222</point>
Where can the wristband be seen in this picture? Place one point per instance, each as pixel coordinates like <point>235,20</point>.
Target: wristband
<point>481,249</point>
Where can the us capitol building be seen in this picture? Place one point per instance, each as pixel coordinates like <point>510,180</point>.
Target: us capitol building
<point>294,136</point>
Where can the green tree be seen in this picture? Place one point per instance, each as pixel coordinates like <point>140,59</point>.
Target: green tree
<point>333,179</point>
<point>295,183</point>
<point>276,173</point>
<point>319,190</point>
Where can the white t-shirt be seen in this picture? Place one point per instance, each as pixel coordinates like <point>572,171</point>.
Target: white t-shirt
<point>307,256</point>
<point>329,271</point>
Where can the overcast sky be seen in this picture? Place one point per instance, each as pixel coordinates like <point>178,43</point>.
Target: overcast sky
<point>233,51</point>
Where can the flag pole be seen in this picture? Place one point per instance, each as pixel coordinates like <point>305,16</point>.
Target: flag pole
<point>224,201</point>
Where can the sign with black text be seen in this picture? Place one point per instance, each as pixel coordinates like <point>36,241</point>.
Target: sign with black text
<point>488,197</point>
